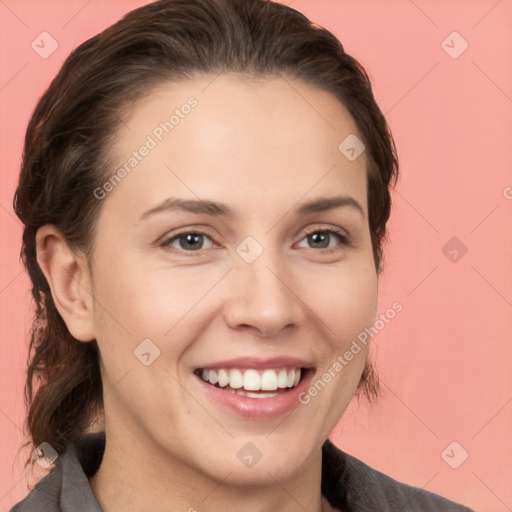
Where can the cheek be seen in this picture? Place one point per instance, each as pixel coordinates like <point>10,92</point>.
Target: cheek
<point>135,301</point>
<point>344,299</point>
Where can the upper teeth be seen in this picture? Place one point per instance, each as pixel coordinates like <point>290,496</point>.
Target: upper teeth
<point>253,380</point>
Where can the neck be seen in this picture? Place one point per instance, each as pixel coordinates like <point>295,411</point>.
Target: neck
<point>146,478</point>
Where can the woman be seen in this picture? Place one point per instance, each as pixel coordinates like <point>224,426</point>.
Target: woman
<point>205,191</point>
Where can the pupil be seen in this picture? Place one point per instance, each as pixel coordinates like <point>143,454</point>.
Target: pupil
<point>192,241</point>
<point>320,238</point>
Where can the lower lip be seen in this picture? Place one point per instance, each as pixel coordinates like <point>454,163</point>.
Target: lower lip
<point>264,408</point>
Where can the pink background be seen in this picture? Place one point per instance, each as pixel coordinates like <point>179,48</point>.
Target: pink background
<point>445,361</point>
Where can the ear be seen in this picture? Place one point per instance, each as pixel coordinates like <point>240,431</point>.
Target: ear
<point>69,280</point>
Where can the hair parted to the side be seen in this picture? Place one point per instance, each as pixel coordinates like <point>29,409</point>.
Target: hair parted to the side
<point>66,157</point>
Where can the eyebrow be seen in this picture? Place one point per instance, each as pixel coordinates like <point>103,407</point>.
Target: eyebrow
<point>216,209</point>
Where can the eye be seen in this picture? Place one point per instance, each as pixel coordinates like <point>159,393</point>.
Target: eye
<point>322,238</point>
<point>189,241</point>
<point>195,241</point>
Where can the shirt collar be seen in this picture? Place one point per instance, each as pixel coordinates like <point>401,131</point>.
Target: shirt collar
<point>80,462</point>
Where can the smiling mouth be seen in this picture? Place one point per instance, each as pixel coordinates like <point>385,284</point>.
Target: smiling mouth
<point>253,383</point>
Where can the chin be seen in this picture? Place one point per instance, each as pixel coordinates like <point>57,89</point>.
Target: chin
<point>256,461</point>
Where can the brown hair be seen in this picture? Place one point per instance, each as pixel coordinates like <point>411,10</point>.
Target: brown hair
<point>68,138</point>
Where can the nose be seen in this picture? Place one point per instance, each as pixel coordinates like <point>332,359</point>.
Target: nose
<point>263,297</point>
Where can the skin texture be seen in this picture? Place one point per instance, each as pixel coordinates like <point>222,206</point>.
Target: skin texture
<point>264,147</point>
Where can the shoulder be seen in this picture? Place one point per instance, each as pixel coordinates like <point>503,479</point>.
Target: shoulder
<point>352,485</point>
<point>44,496</point>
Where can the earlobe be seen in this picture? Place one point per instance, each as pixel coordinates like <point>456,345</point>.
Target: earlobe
<point>69,281</point>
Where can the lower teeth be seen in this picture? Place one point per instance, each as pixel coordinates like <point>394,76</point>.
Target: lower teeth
<point>250,394</point>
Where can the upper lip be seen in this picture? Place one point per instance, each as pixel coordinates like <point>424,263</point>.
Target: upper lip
<point>257,363</point>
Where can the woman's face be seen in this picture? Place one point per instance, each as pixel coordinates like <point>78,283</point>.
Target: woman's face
<point>258,290</point>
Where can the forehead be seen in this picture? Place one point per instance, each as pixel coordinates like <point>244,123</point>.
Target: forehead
<point>243,141</point>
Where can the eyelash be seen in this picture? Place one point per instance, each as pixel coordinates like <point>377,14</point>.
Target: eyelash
<point>331,231</point>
